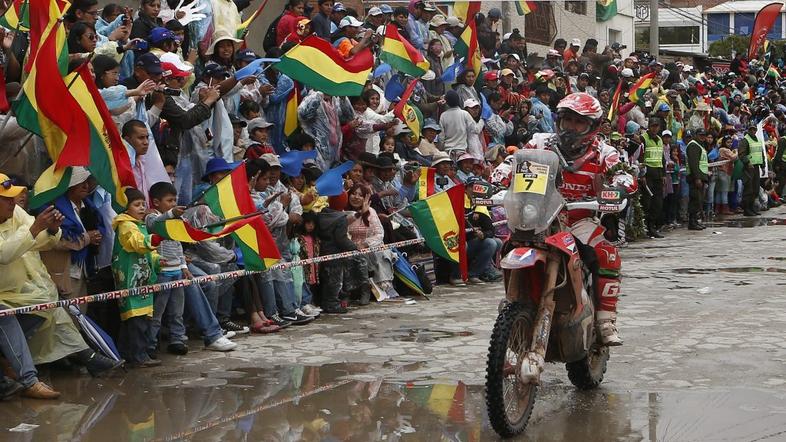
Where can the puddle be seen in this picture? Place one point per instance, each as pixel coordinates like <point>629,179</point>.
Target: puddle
<point>748,222</point>
<point>353,402</point>
<point>418,334</point>
<point>777,258</point>
<point>706,271</point>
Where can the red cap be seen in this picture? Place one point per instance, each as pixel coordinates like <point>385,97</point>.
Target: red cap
<point>170,70</point>
<point>491,76</point>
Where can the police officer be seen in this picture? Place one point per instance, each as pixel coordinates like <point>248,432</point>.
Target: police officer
<point>698,176</point>
<point>652,197</point>
<point>751,153</point>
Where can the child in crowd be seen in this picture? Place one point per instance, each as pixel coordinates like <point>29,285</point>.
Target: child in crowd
<point>134,264</point>
<point>173,267</point>
<point>309,248</point>
<point>259,133</point>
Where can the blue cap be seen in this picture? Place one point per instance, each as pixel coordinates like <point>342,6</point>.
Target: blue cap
<point>664,107</point>
<point>245,55</point>
<point>217,165</point>
<point>159,34</point>
<point>386,9</point>
<point>150,63</point>
<point>213,69</point>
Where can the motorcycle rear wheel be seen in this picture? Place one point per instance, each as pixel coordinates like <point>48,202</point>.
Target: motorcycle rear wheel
<point>509,402</point>
<point>587,373</point>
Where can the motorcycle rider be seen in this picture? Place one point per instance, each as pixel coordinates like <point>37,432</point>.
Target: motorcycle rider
<point>578,121</point>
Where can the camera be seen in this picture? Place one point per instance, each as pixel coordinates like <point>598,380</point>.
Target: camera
<point>170,91</point>
<point>441,181</point>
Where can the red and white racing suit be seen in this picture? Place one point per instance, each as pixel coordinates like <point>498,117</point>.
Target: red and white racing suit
<point>585,227</point>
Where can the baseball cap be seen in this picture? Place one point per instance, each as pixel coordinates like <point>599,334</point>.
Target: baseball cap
<point>150,63</point>
<point>429,7</point>
<point>159,34</point>
<point>664,107</point>
<point>170,70</point>
<point>575,42</point>
<point>627,72</point>
<point>491,76</point>
<point>7,188</point>
<point>171,57</point>
<point>349,21</point>
<point>471,102</point>
<point>272,159</point>
<point>375,11</point>
<point>437,21</point>
<point>666,133</point>
<point>258,123</point>
<point>339,7</point>
<point>432,124</point>
<point>245,55</point>
<point>454,21</point>
<point>235,120</point>
<point>506,71</point>
<point>213,69</point>
<point>553,53</point>
<point>386,9</point>
<point>495,13</point>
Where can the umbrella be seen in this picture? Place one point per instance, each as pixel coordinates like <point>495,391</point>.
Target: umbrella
<point>100,339</point>
<point>403,270</point>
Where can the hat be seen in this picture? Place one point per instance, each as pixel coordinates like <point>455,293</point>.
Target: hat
<point>258,123</point>
<point>631,127</point>
<point>584,75</point>
<point>439,157</point>
<point>429,7</point>
<point>494,13</point>
<point>666,133</point>
<point>687,68</point>
<point>437,21</point>
<point>553,53</point>
<point>213,69</point>
<point>386,9</point>
<point>616,136</point>
<point>374,11</point>
<point>632,58</point>
<point>702,106</point>
<point>385,162</point>
<point>78,176</point>
<point>430,123</point>
<point>506,71</point>
<point>678,86</point>
<point>170,70</point>
<point>339,7</point>
<point>466,156</point>
<point>221,35</point>
<point>506,36</point>
<point>491,76</point>
<point>575,42</point>
<point>516,56</point>
<point>160,34</point>
<point>454,21</point>
<point>7,189</point>
<point>235,120</point>
<point>217,165</point>
<point>367,159</point>
<point>245,55</point>
<point>271,159</point>
<point>616,46</point>
<point>654,63</point>
<point>471,102</point>
<point>171,57</point>
<point>700,131</point>
<point>664,108</point>
<point>350,21</point>
<point>627,72</point>
<point>150,63</point>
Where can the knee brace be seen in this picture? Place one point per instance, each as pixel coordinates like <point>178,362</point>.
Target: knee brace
<point>608,287</point>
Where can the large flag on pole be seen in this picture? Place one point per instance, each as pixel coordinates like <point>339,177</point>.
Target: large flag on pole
<point>615,101</point>
<point>290,111</point>
<point>525,7</point>
<point>180,230</point>
<point>467,46</point>
<point>408,114</point>
<point>762,25</point>
<point>464,10</point>
<point>640,87</point>
<point>17,16</point>
<point>401,55</point>
<point>440,219</point>
<point>318,65</point>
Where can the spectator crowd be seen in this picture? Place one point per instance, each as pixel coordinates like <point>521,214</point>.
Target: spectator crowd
<point>178,86</point>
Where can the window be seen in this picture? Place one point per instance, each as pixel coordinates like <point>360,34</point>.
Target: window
<point>717,26</point>
<point>575,7</point>
<point>679,35</point>
<point>540,26</point>
<point>743,23</point>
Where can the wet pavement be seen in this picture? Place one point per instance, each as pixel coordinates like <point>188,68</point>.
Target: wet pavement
<point>703,317</point>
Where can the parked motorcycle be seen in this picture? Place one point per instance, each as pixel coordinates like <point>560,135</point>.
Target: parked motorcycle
<point>548,314</point>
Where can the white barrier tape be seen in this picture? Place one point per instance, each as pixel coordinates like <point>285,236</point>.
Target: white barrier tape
<point>153,288</point>
<point>719,163</point>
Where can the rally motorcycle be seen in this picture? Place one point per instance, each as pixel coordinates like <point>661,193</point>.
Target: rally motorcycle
<point>548,314</point>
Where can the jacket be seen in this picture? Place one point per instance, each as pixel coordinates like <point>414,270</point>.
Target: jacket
<point>333,235</point>
<point>134,264</point>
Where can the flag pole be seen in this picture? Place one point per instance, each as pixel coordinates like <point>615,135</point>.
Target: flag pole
<point>233,219</point>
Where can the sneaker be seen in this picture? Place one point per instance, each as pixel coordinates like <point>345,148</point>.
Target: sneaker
<point>337,310</point>
<point>296,318</point>
<point>491,276</point>
<point>237,328</point>
<point>145,364</point>
<point>310,310</point>
<point>475,280</point>
<point>177,348</point>
<point>458,282</point>
<point>228,334</point>
<point>98,365</point>
<point>302,311</point>
<point>279,321</point>
<point>221,344</point>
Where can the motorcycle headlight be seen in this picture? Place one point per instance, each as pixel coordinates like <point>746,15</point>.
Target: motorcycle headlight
<point>529,214</point>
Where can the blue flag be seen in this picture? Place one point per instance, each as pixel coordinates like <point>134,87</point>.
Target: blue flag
<point>292,161</point>
<point>382,69</point>
<point>485,109</point>
<point>452,71</point>
<point>394,89</point>
<point>331,183</point>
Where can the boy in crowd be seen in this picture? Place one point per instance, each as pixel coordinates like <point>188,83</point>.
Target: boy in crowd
<point>133,265</point>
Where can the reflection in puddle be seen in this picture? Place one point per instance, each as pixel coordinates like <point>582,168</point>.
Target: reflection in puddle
<point>748,222</point>
<point>730,270</point>
<point>352,402</point>
<point>406,334</point>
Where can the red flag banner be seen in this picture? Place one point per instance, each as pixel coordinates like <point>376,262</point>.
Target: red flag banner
<point>765,19</point>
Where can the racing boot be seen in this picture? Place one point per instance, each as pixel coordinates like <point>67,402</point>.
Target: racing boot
<point>607,328</point>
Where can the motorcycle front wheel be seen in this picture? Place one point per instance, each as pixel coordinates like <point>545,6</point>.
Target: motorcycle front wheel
<point>509,402</point>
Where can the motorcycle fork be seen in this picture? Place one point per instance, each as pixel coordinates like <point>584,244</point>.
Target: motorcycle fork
<point>533,363</point>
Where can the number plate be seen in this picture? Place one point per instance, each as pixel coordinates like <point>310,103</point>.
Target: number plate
<point>531,178</point>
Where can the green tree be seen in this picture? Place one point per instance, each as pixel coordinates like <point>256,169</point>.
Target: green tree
<point>723,48</point>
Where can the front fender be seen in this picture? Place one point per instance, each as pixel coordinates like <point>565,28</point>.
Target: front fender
<point>522,257</point>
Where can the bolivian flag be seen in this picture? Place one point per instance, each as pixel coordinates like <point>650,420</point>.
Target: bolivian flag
<point>290,113</point>
<point>773,72</point>
<point>525,7</point>
<point>467,47</point>
<point>426,182</point>
<point>440,219</point>
<point>318,65</point>
<point>17,16</point>
<point>615,100</point>
<point>464,10</point>
<point>231,198</point>
<point>401,55</point>
<point>408,114</point>
<point>180,230</point>
<point>640,88</point>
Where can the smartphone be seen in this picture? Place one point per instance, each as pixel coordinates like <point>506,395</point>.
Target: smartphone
<point>170,91</point>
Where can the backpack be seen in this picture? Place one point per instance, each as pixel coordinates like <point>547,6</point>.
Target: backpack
<point>269,42</point>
